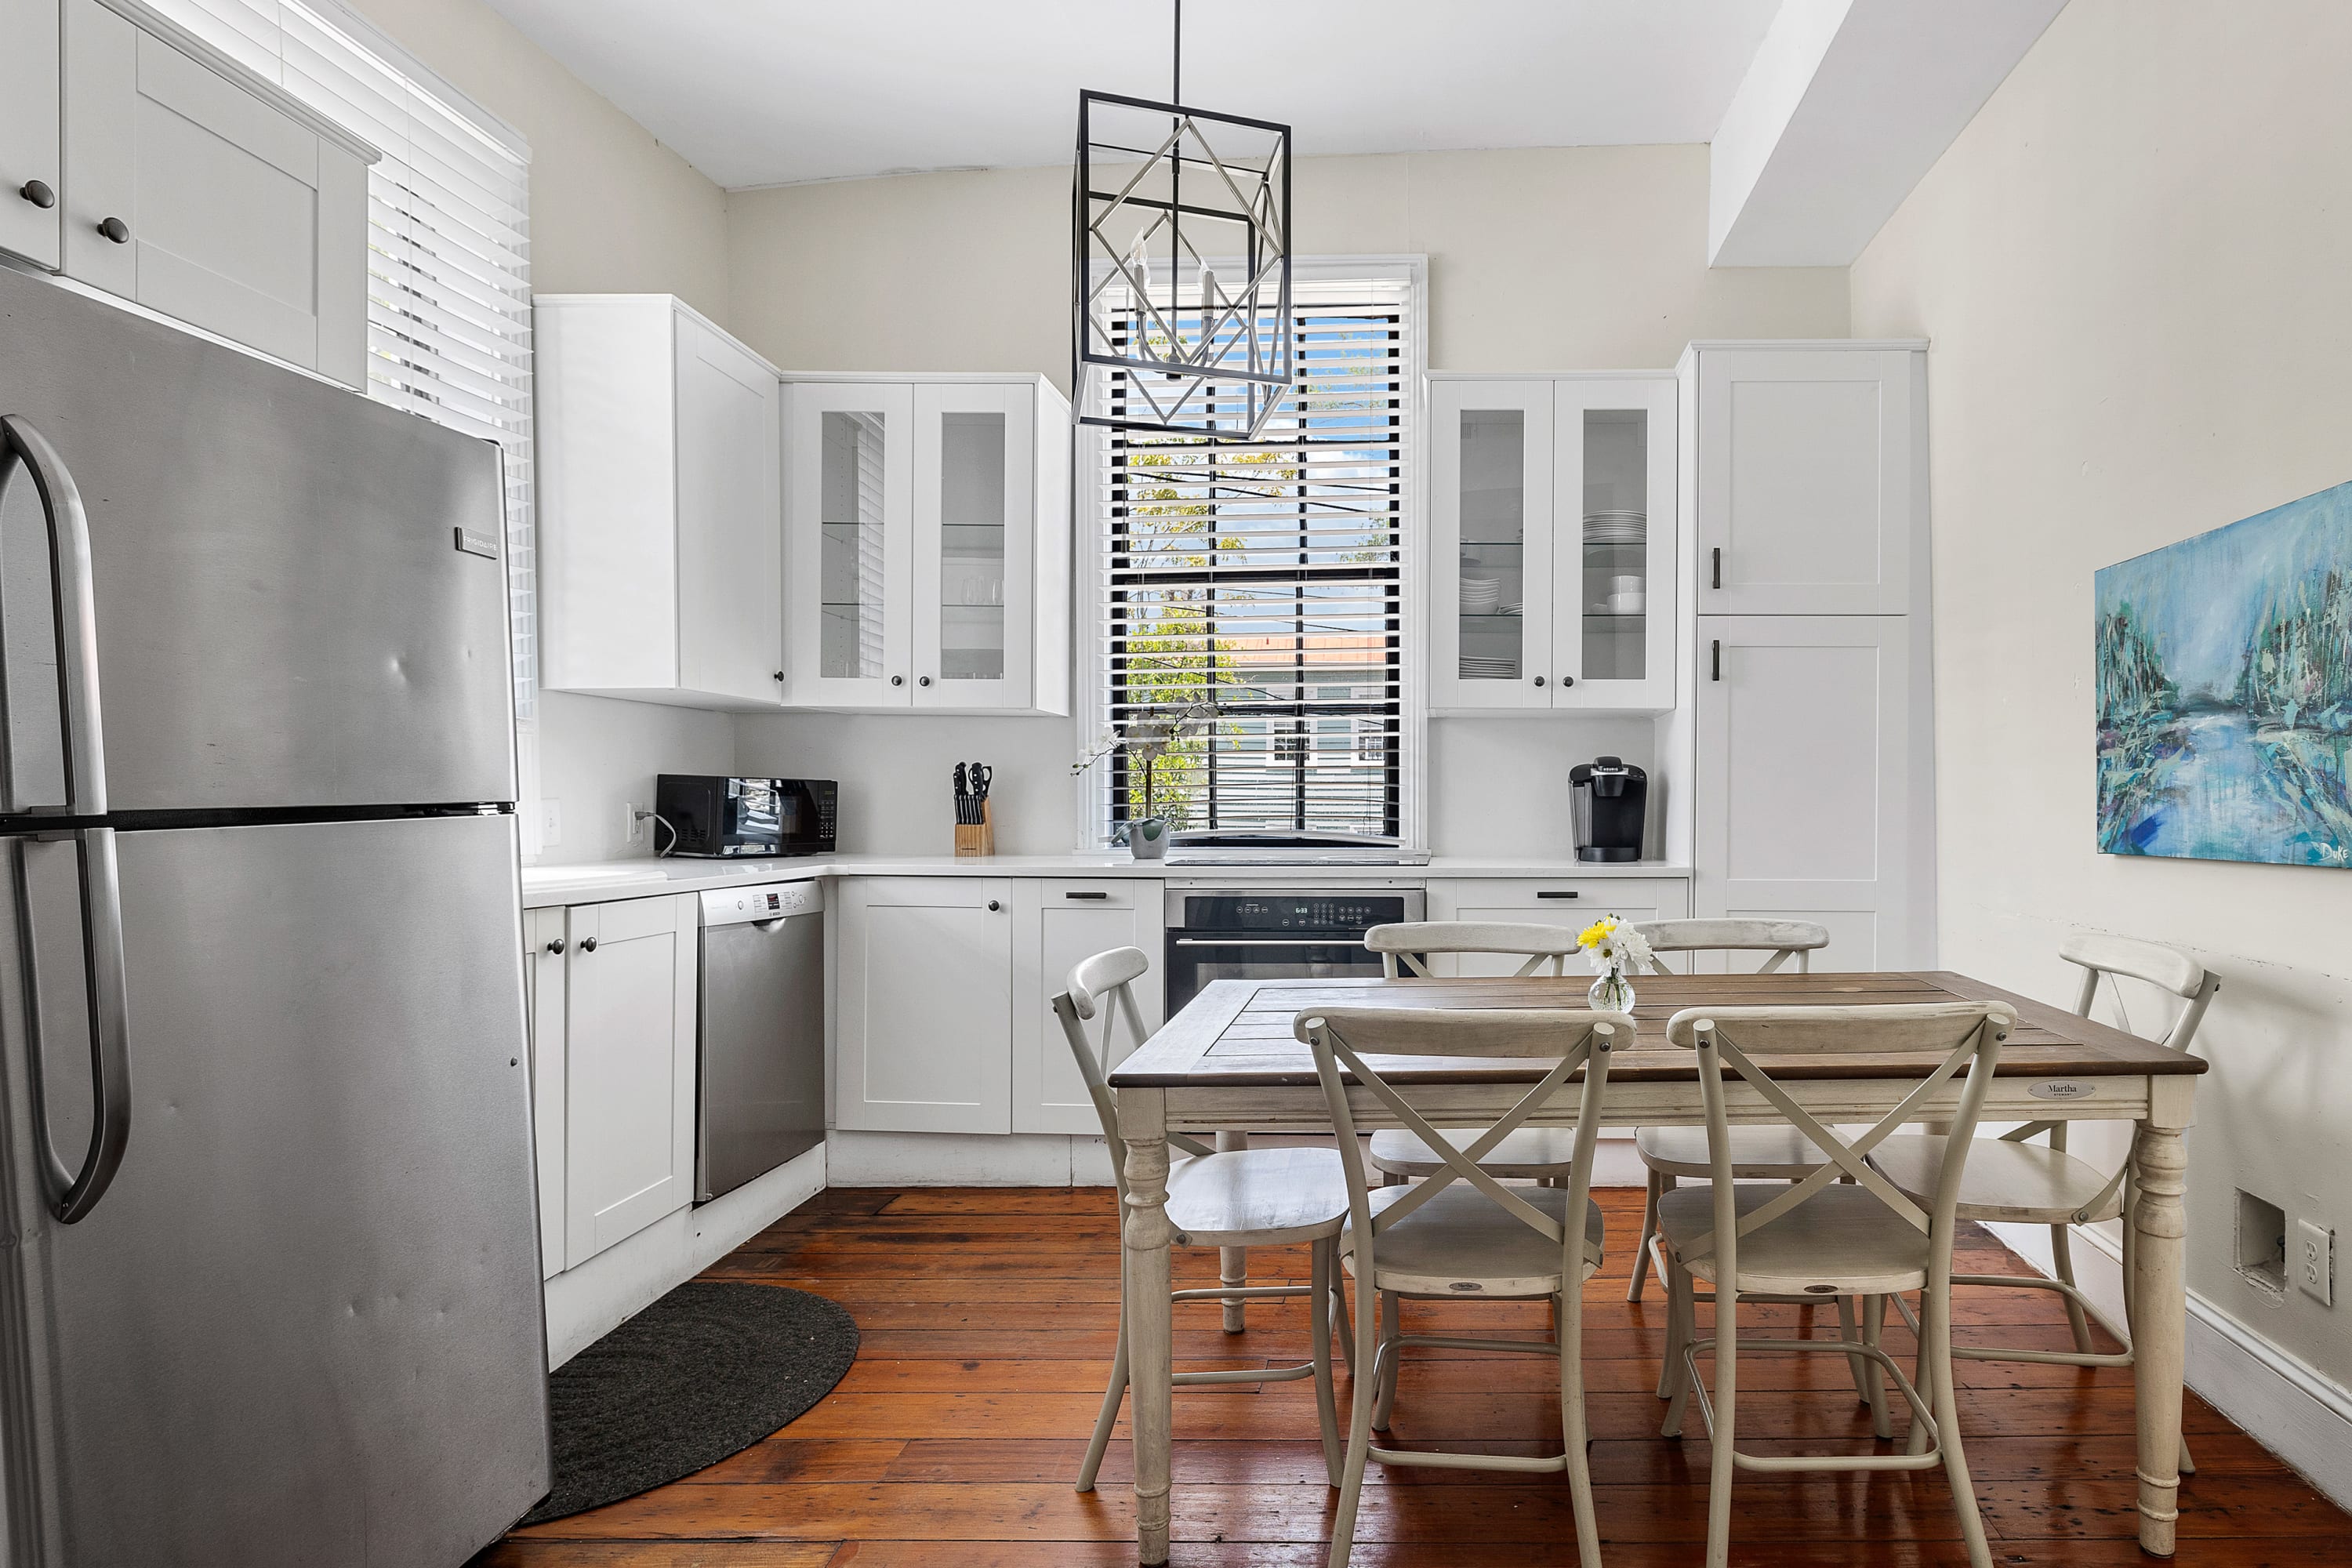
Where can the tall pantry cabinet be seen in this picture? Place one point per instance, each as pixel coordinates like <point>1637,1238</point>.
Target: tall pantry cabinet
<point>1807,735</point>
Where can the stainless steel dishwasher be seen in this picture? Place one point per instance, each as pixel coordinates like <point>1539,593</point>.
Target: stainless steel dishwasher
<point>762,1033</point>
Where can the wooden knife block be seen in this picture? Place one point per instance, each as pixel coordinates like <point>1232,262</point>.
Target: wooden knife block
<point>976,838</point>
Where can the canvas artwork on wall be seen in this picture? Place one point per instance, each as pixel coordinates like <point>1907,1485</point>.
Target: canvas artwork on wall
<point>2224,667</point>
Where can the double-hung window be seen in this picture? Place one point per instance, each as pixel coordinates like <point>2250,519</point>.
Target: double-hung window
<point>1256,591</point>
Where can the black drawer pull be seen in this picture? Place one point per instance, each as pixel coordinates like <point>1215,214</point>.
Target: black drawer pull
<point>1086,895</point>
<point>1715,661</point>
<point>1718,567</point>
<point>1559,895</point>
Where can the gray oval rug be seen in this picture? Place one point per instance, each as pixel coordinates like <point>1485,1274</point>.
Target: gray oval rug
<point>706,1370</point>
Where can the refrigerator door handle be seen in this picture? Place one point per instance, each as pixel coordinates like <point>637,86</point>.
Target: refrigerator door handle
<point>73,1195</point>
<point>71,591</point>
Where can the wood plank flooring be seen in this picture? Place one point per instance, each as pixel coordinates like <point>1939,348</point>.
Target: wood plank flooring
<point>988,1320</point>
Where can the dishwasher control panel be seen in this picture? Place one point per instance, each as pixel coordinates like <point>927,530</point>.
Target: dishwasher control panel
<point>773,902</point>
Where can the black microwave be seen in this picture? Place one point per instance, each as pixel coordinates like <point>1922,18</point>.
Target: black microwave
<point>732,817</point>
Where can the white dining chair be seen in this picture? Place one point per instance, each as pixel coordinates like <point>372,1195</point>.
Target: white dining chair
<point>1673,1154</point>
<point>1250,1197</point>
<point>1459,1233</point>
<point>1530,1154</point>
<point>1820,1238</point>
<point>2011,1179</point>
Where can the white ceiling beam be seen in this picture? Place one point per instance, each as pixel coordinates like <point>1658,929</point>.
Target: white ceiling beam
<point>1845,106</point>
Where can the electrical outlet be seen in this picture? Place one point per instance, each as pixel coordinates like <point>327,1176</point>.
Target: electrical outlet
<point>635,825</point>
<point>550,822</point>
<point>2315,1261</point>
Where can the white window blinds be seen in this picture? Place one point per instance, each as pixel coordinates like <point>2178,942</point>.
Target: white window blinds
<point>1255,590</point>
<point>448,240</point>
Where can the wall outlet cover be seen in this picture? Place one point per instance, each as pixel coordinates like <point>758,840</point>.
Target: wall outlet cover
<point>634,825</point>
<point>2315,1261</point>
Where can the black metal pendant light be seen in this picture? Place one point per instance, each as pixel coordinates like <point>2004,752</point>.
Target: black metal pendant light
<point>1180,267</point>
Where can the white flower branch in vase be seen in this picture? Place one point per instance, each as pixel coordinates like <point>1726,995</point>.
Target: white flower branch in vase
<point>1145,742</point>
<point>1617,950</point>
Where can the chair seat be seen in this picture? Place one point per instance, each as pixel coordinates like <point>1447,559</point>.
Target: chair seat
<point>1842,1236</point>
<point>2030,1182</point>
<point>1257,1197</point>
<point>1462,1243</point>
<point>1533,1154</point>
<point>1757,1154</point>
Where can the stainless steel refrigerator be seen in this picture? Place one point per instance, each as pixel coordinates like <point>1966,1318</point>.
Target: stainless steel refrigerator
<point>269,1287</point>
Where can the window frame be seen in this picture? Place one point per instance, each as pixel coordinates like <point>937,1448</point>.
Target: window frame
<point>1311,276</point>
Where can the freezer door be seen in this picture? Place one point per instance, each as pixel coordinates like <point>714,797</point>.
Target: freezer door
<point>299,598</point>
<point>303,1323</point>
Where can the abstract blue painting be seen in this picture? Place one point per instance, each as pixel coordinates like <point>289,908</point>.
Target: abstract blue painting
<point>2224,667</point>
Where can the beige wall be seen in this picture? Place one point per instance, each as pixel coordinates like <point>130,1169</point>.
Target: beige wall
<point>1572,258</point>
<point>2133,266</point>
<point>612,211</point>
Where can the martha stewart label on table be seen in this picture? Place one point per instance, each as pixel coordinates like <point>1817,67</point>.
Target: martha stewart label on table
<point>2062,1089</point>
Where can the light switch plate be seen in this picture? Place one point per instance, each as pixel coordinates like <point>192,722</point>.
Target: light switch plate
<point>2315,1261</point>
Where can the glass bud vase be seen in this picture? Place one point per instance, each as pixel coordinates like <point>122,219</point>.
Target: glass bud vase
<point>1613,993</point>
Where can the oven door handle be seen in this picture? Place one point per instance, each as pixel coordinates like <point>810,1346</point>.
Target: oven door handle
<point>1268,941</point>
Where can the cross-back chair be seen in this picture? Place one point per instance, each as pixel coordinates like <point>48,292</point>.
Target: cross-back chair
<point>1530,1154</point>
<point>1674,1154</point>
<point>1458,1232</point>
<point>1823,1236</point>
<point>2013,1179</point>
<point>1251,1197</point>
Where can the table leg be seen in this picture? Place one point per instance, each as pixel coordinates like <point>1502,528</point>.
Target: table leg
<point>1145,1237</point>
<point>2159,1324</point>
<point>1233,1262</point>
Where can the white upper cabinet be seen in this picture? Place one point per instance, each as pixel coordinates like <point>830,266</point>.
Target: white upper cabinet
<point>196,190</point>
<point>1553,589</point>
<point>926,544</point>
<point>32,170</point>
<point>660,524</point>
<point>1811,492</point>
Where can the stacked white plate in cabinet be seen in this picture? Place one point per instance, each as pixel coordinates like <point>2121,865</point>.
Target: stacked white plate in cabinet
<point>1474,668</point>
<point>1480,595</point>
<point>1616,527</point>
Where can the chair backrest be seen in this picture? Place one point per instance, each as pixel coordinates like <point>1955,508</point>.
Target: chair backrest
<point>1103,986</point>
<point>2165,968</point>
<point>1782,939</point>
<point>1952,1035</point>
<point>1346,1041</point>
<point>1411,943</point>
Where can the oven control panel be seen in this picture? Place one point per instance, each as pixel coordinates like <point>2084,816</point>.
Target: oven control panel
<point>1346,913</point>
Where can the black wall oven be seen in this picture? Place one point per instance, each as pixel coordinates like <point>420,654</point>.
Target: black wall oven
<point>1250,933</point>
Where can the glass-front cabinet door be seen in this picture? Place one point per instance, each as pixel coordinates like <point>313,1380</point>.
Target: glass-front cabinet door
<point>848,551</point>
<point>1613,591</point>
<point>974,478</point>
<point>1491,541</point>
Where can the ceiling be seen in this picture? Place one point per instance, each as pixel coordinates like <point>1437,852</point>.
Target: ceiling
<point>760,92</point>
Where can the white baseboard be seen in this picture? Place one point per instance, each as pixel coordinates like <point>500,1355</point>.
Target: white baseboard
<point>2282,1402</point>
<point>586,1303</point>
<point>1033,1160</point>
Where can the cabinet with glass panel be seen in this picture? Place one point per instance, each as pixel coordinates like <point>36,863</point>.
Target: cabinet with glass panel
<point>1552,529</point>
<point>926,544</point>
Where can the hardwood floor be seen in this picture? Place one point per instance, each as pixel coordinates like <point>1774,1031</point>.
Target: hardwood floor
<point>989,1318</point>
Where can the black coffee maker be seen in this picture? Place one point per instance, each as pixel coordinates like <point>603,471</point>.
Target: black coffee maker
<point>1612,798</point>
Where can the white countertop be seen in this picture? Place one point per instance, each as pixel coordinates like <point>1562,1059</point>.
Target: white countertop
<point>603,881</point>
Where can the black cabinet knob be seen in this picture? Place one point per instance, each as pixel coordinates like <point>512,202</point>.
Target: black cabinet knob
<point>1538,681</point>
<point>922,680</point>
<point>115,229</point>
<point>778,675</point>
<point>898,680</point>
<point>993,906</point>
<point>587,944</point>
<point>555,946</point>
<point>1567,681</point>
<point>38,192</point>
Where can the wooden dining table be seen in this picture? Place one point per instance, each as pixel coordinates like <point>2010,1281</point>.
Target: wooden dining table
<point>1230,1061</point>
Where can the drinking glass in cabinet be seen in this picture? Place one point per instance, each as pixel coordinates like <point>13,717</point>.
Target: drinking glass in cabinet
<point>1492,568</point>
<point>972,546</point>
<point>850,564</point>
<point>1616,544</point>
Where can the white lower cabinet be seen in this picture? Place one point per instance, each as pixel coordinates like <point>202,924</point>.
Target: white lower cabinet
<point>923,1003</point>
<point>1057,924</point>
<point>1571,902</point>
<point>1809,793</point>
<point>613,993</point>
